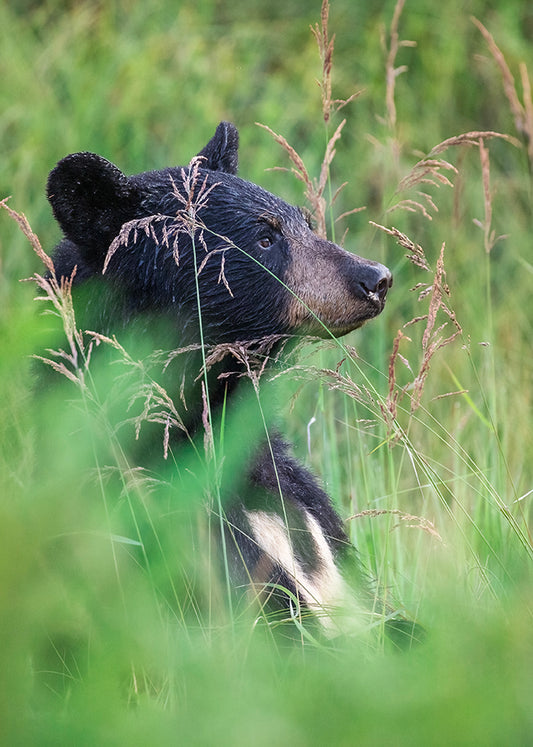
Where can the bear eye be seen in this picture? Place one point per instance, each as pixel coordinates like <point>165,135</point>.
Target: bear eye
<point>265,242</point>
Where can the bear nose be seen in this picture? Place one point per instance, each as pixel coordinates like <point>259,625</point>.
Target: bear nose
<point>375,280</point>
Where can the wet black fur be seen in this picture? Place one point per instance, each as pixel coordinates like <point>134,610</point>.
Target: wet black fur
<point>92,202</point>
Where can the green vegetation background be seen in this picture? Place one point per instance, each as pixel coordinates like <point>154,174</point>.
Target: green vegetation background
<point>90,654</point>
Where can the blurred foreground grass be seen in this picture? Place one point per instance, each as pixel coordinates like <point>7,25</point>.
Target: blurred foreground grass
<point>102,639</point>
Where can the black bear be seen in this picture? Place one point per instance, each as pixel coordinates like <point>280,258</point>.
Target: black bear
<point>221,261</point>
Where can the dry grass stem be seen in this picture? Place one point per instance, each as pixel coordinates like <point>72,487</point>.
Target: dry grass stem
<point>470,138</point>
<point>415,206</point>
<point>415,253</point>
<point>253,355</point>
<point>489,235</point>
<point>390,408</point>
<point>458,393</point>
<point>25,227</point>
<point>325,48</point>
<point>158,406</point>
<point>433,338</point>
<point>391,71</point>
<point>344,383</point>
<point>74,363</point>
<point>314,189</point>
<point>427,171</point>
<point>528,108</point>
<point>430,171</point>
<point>522,113</point>
<point>209,443</point>
<point>417,522</point>
<point>349,212</point>
<point>193,200</point>
<point>130,233</point>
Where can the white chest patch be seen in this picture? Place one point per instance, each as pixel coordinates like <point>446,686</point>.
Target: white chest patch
<point>323,590</point>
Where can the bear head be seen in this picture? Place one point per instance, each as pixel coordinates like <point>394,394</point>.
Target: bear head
<point>201,246</point>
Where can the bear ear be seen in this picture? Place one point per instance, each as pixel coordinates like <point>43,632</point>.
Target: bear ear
<point>221,152</point>
<point>91,200</point>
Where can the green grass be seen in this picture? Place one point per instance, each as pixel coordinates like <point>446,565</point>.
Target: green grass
<point>115,629</point>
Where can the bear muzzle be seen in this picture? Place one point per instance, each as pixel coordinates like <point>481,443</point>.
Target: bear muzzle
<point>334,291</point>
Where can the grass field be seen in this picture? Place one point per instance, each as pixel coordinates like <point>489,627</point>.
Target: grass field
<point>114,631</point>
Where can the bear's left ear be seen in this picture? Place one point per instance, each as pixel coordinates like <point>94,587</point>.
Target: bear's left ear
<point>91,200</point>
<point>221,152</point>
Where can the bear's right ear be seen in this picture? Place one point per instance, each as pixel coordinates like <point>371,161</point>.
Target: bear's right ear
<point>222,152</point>
<point>91,200</point>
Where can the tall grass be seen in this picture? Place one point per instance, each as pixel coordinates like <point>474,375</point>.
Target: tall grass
<point>111,618</point>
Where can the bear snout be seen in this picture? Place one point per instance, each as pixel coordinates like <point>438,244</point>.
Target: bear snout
<point>334,291</point>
